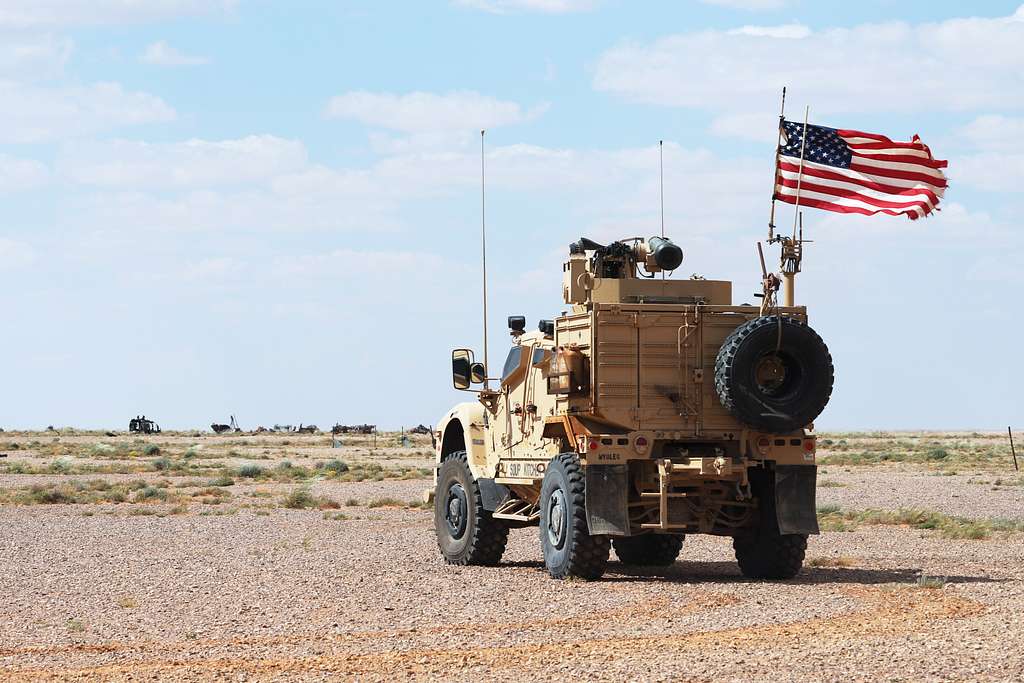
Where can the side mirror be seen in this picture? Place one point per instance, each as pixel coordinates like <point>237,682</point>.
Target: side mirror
<point>477,373</point>
<point>462,368</point>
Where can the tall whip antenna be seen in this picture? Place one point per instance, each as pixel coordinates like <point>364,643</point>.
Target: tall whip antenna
<point>661,172</point>
<point>483,250</point>
<point>775,171</point>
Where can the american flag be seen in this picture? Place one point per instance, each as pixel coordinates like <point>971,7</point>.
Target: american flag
<point>854,172</point>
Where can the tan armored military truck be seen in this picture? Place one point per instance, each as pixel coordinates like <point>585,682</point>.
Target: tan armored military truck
<point>650,409</point>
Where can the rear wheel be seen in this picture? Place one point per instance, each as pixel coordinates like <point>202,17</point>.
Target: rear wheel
<point>466,532</point>
<point>569,548</point>
<point>770,555</point>
<point>649,550</point>
<point>774,373</point>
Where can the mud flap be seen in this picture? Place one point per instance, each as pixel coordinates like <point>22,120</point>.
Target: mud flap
<point>492,495</point>
<point>795,509</point>
<point>607,504</point>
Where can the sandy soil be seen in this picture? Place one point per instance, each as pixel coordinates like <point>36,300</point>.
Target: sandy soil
<point>247,590</point>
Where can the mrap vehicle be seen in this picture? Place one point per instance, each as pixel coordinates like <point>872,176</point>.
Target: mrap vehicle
<point>650,409</point>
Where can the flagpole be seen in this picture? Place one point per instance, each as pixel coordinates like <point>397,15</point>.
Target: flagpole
<point>800,173</point>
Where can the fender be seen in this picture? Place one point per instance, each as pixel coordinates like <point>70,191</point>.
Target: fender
<point>462,428</point>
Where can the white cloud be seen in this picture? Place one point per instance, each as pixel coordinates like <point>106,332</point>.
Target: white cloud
<point>33,56</point>
<point>543,6</point>
<point>266,183</point>
<point>215,268</point>
<point>782,31</point>
<point>190,164</point>
<point>995,132</point>
<point>42,13</point>
<point>420,112</point>
<point>995,171</point>
<point>15,255</point>
<point>39,114</point>
<point>890,66</point>
<point>996,162</point>
<point>751,5</point>
<point>21,174</point>
<point>758,127</point>
<point>162,54</point>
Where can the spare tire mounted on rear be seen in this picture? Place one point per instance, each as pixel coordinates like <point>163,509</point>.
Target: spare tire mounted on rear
<point>774,373</point>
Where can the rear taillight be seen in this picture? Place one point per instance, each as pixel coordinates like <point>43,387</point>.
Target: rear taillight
<point>763,444</point>
<point>640,444</point>
<point>594,444</point>
<point>809,445</point>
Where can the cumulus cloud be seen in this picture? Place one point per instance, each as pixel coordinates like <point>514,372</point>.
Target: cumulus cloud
<point>890,66</point>
<point>189,164</point>
<point>17,175</point>
<point>543,6</point>
<point>162,54</point>
<point>783,31</point>
<point>751,5</point>
<point>44,13</point>
<point>422,112</point>
<point>33,56</point>
<point>994,131</point>
<point>267,183</point>
<point>995,161</point>
<point>39,114</point>
<point>15,255</point>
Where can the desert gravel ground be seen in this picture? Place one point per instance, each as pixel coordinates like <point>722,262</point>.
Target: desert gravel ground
<point>249,590</point>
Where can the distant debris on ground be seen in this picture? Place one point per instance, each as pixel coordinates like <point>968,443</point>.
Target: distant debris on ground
<point>353,429</point>
<point>308,429</point>
<point>420,429</point>
<point>221,428</point>
<point>140,425</point>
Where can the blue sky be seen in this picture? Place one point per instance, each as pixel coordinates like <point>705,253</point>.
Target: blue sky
<point>271,209</point>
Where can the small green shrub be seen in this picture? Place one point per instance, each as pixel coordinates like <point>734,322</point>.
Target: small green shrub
<point>250,471</point>
<point>334,466</point>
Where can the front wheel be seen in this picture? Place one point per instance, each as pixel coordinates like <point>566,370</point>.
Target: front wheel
<point>569,548</point>
<point>466,532</point>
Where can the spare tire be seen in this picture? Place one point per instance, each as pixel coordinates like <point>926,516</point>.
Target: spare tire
<point>774,373</point>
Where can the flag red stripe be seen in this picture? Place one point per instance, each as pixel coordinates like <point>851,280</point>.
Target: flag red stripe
<point>896,173</point>
<point>886,145</point>
<point>920,209</point>
<point>829,206</point>
<point>810,170</point>
<point>903,158</point>
<point>811,186</point>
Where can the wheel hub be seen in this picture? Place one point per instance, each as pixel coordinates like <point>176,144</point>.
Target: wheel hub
<point>456,511</point>
<point>556,519</point>
<point>770,373</point>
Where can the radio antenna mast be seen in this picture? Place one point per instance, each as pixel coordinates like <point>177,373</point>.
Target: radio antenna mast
<point>483,253</point>
<point>661,173</point>
<point>775,171</point>
<point>661,179</point>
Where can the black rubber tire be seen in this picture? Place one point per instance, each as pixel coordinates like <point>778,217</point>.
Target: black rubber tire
<point>474,537</point>
<point>770,556</point>
<point>806,384</point>
<point>569,548</point>
<point>648,550</point>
